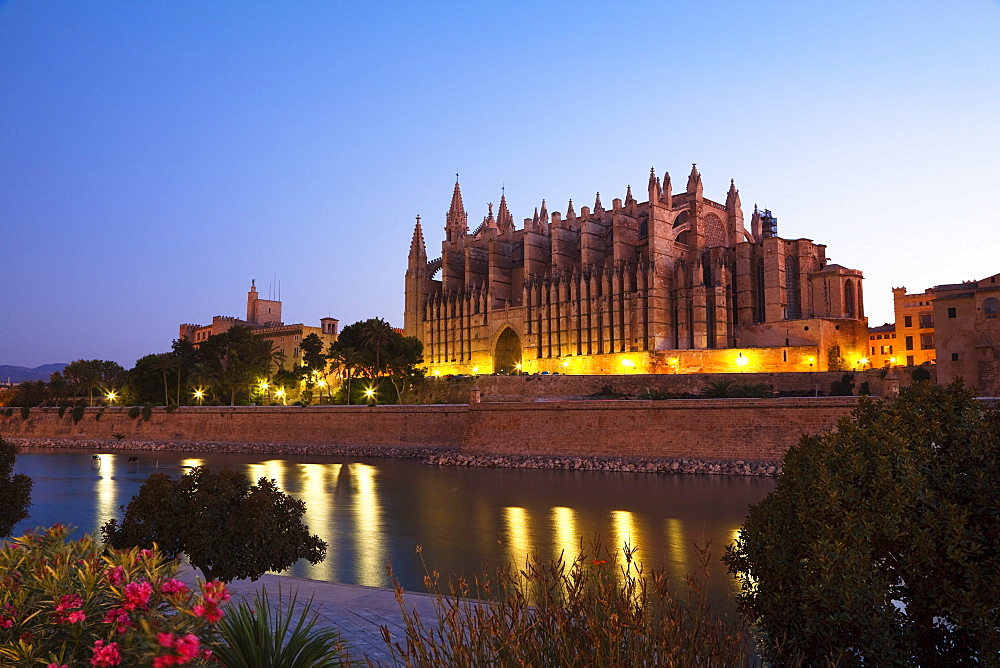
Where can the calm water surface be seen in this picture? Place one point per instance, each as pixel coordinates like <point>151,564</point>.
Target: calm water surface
<point>376,511</point>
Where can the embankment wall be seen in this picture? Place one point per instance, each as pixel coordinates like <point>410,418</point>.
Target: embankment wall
<point>748,429</point>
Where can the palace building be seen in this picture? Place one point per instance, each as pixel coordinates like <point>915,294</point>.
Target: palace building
<point>675,284</point>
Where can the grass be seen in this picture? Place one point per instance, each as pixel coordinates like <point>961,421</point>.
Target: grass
<point>598,610</point>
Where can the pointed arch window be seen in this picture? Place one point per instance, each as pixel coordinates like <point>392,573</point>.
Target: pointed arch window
<point>849,299</point>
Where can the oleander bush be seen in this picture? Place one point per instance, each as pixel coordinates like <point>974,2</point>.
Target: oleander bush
<point>600,610</point>
<point>73,603</point>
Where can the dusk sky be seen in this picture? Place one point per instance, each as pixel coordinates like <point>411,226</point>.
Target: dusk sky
<point>157,156</point>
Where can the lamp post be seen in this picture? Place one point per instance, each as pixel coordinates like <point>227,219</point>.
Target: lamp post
<point>370,396</point>
<point>199,394</point>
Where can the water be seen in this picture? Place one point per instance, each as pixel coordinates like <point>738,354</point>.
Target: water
<point>376,511</point>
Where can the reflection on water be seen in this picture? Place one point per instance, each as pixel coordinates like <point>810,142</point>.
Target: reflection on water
<point>105,488</point>
<point>518,535</point>
<point>566,536</point>
<point>373,511</point>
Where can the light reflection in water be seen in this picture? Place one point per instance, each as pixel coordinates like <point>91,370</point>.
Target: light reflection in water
<point>370,551</point>
<point>518,535</point>
<point>624,530</point>
<point>192,462</point>
<point>566,536</point>
<point>319,512</point>
<point>272,468</point>
<point>677,549</point>
<point>107,489</point>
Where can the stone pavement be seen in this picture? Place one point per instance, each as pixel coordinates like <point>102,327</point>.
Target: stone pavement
<point>357,612</point>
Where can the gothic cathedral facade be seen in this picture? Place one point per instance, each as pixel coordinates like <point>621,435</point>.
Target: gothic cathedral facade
<point>675,284</point>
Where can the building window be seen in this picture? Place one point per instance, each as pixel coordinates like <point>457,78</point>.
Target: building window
<point>991,308</point>
<point>907,321</point>
<point>952,312</point>
<point>926,320</point>
<point>954,357</point>
<point>909,343</point>
<point>926,341</point>
<point>909,360</point>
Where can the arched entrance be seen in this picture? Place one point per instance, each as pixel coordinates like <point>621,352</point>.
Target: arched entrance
<point>507,352</point>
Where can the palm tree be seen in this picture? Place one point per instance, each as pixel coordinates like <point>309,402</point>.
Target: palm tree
<point>165,362</point>
<point>201,375</point>
<point>347,359</point>
<point>376,334</point>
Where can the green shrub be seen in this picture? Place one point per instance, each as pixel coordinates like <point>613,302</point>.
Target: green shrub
<point>897,507</point>
<point>9,412</point>
<point>920,374</point>
<point>596,611</point>
<point>147,413</point>
<point>170,408</point>
<point>62,411</point>
<point>255,634</point>
<point>25,412</point>
<point>77,414</point>
<point>133,412</point>
<point>75,603</point>
<point>15,490</point>
<point>843,387</point>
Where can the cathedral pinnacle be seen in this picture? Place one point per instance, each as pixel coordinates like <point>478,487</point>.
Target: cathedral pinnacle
<point>694,179</point>
<point>628,195</point>
<point>597,204</point>
<point>417,249</point>
<point>570,212</point>
<point>457,221</point>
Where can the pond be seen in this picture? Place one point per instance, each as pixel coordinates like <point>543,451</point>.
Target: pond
<point>375,511</point>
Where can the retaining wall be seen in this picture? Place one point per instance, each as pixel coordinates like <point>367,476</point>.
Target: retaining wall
<point>748,429</point>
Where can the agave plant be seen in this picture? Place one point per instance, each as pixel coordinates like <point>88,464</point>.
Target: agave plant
<point>256,634</point>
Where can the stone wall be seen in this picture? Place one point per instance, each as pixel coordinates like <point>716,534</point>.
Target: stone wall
<point>534,387</point>
<point>734,429</point>
<point>440,426</point>
<point>748,429</point>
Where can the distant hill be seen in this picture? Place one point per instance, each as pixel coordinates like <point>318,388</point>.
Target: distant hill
<point>18,374</point>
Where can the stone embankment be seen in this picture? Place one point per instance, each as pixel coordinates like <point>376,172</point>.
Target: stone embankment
<point>432,456</point>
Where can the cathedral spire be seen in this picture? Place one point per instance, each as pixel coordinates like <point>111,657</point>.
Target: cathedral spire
<point>665,193</point>
<point>628,196</point>
<point>505,221</point>
<point>653,187</point>
<point>694,180</point>
<point>417,248</point>
<point>755,226</point>
<point>457,224</point>
<point>570,211</point>
<point>543,215</point>
<point>597,204</point>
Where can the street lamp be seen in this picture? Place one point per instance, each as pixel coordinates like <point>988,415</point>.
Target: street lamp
<point>741,361</point>
<point>280,394</point>
<point>370,396</point>
<point>111,396</point>
<point>199,394</point>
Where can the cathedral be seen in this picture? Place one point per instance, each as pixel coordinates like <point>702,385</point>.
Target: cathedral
<point>675,284</point>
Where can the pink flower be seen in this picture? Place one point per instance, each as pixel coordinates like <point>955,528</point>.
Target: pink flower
<point>74,617</point>
<point>69,601</point>
<point>56,665</point>
<point>146,554</point>
<point>215,592</point>
<point>116,575</point>
<point>165,639</point>
<point>173,587</point>
<point>120,618</point>
<point>106,655</point>
<point>137,595</point>
<point>198,610</point>
<point>187,647</point>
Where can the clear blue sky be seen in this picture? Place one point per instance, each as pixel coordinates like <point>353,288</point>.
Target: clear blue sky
<point>156,156</point>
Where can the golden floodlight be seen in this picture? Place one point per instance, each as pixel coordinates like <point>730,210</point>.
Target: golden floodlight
<point>741,360</point>
<point>369,393</point>
<point>112,396</point>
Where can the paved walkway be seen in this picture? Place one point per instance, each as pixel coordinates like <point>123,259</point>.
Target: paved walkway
<point>357,612</point>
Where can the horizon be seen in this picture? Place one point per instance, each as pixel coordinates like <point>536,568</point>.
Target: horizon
<point>157,157</point>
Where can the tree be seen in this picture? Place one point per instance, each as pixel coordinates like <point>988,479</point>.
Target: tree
<point>15,490</point>
<point>228,527</point>
<point>90,375</point>
<point>376,334</point>
<point>402,357</point>
<point>348,359</point>
<point>881,543</point>
<point>164,363</point>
